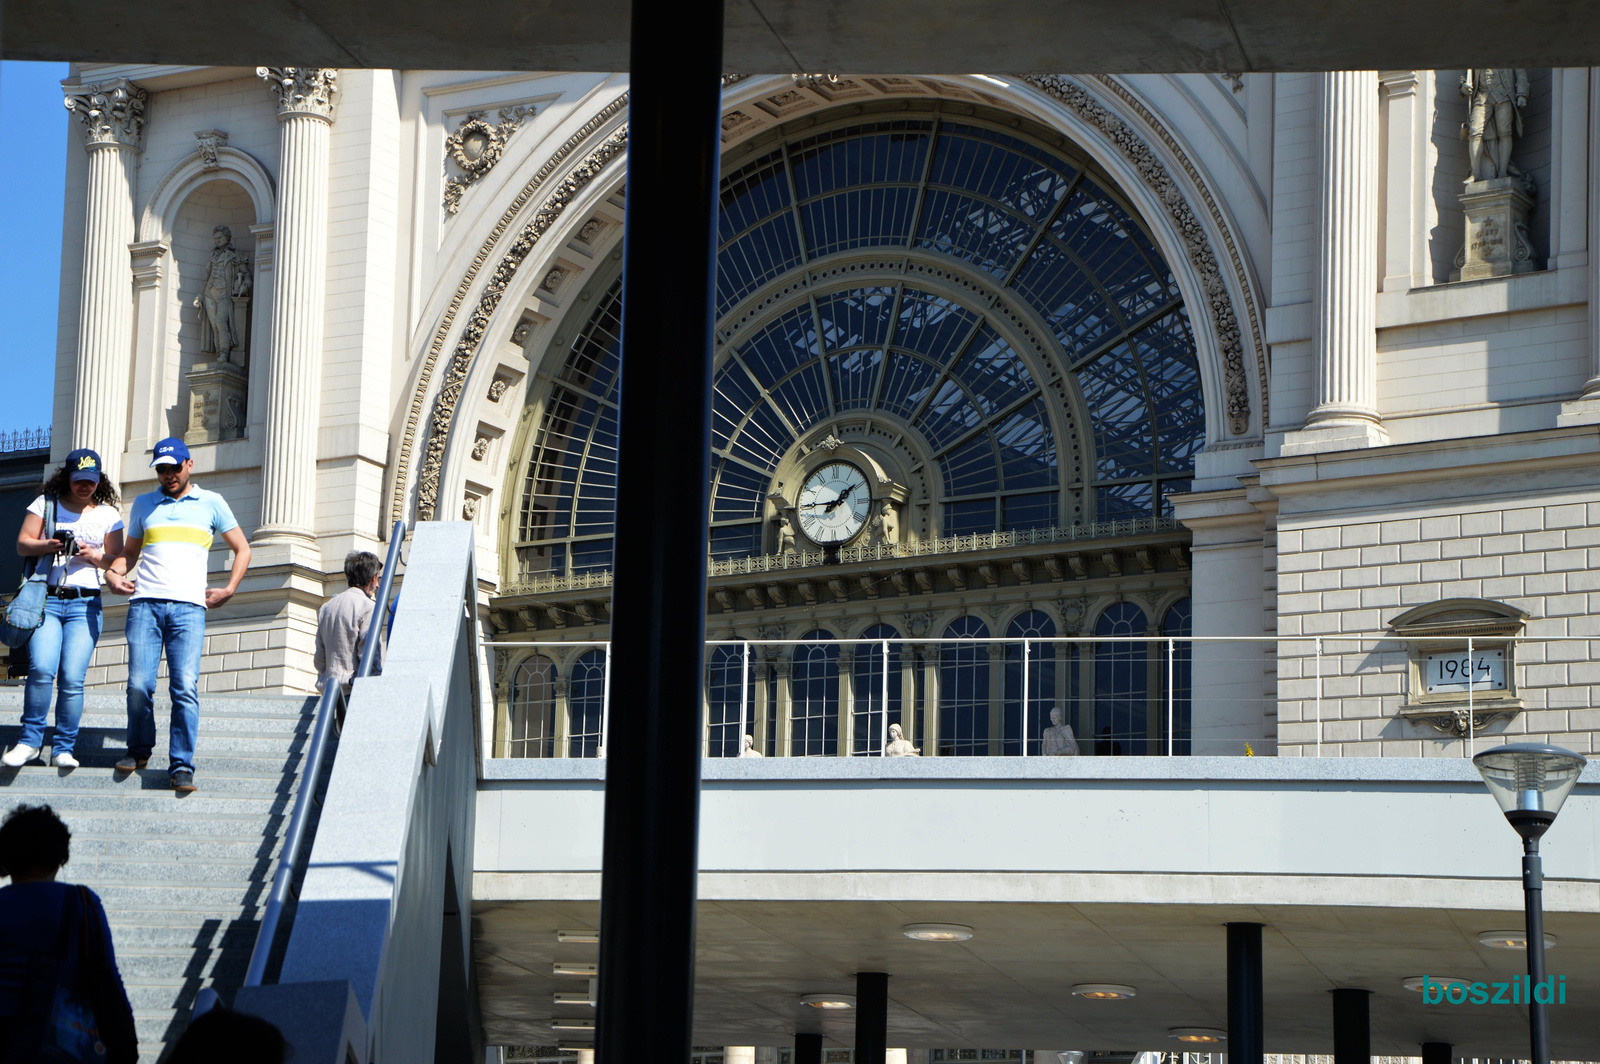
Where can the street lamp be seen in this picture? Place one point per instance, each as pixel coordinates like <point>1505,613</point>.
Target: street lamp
<point>1530,781</point>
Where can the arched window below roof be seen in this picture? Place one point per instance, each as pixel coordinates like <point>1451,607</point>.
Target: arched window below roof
<point>531,723</point>
<point>964,716</point>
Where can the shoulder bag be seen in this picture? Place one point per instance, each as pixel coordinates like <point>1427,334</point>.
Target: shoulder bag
<point>25,612</point>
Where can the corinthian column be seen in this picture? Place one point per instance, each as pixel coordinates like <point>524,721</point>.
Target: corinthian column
<point>1346,336</point>
<point>294,369</point>
<point>112,114</point>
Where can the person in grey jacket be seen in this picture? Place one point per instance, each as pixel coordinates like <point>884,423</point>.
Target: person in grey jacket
<point>342,622</point>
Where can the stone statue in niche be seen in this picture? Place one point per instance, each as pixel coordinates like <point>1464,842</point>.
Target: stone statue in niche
<point>1498,198</point>
<point>785,534</point>
<point>218,381</point>
<point>748,749</point>
<point>1496,99</point>
<point>899,745</point>
<point>883,526</point>
<point>1058,740</point>
<point>224,300</point>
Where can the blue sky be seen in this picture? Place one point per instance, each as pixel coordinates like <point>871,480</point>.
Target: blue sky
<point>33,125</point>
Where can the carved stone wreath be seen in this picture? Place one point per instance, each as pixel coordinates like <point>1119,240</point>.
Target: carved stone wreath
<point>476,146</point>
<point>1230,339</point>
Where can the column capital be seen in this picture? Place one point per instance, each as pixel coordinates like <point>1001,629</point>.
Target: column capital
<point>112,113</point>
<point>306,91</point>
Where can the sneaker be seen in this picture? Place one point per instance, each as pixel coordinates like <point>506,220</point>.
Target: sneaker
<point>65,761</point>
<point>19,755</point>
<point>129,763</point>
<point>183,781</point>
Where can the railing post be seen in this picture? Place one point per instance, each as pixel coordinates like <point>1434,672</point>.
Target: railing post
<point>605,703</point>
<point>1171,646</point>
<point>883,725</point>
<point>1472,676</point>
<point>1319,697</point>
<point>1025,696</point>
<point>744,693</point>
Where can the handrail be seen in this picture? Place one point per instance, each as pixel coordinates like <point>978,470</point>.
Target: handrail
<point>294,838</point>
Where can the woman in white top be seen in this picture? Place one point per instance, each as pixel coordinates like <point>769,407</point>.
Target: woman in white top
<point>88,538</point>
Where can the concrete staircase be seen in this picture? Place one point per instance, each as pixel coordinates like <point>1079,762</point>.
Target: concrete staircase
<point>183,879</point>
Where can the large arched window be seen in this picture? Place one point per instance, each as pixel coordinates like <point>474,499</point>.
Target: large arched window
<point>586,705</point>
<point>1121,683</point>
<point>1042,694</point>
<point>876,670</point>
<point>964,690</point>
<point>972,284</point>
<point>814,697</point>
<point>531,730</point>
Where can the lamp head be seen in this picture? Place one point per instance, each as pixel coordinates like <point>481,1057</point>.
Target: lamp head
<point>1530,781</point>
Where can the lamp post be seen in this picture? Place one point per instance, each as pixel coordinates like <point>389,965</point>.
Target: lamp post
<point>1530,781</point>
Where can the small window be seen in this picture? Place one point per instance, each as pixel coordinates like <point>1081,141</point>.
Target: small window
<point>1462,663</point>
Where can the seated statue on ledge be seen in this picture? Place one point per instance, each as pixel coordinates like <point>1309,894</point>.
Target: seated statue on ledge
<point>1058,740</point>
<point>899,745</point>
<point>748,748</point>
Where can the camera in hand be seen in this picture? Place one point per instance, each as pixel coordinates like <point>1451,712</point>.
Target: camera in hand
<point>68,545</point>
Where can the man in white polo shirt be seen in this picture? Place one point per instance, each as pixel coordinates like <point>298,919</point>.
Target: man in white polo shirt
<point>169,539</point>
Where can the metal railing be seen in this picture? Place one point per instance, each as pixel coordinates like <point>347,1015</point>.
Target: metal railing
<point>536,583</point>
<point>328,708</point>
<point>1330,694</point>
<point>25,440</point>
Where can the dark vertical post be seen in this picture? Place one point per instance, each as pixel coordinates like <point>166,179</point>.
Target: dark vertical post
<point>1246,1037</point>
<point>1352,1029</point>
<point>872,1017</point>
<point>1438,1053</point>
<point>807,1048</point>
<point>1533,909</point>
<point>647,887</point>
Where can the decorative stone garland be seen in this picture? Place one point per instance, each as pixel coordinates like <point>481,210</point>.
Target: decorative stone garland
<point>1154,172</point>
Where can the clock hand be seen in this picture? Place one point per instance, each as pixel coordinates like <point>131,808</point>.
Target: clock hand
<point>842,496</point>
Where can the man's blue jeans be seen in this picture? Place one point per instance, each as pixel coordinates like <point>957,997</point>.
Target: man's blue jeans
<point>180,628</point>
<point>58,657</point>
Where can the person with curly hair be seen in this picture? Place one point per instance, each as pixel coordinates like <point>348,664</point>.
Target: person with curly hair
<point>88,537</point>
<point>53,935</point>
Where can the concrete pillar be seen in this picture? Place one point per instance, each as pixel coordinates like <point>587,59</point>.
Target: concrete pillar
<point>113,116</point>
<point>1345,331</point>
<point>1352,1029</point>
<point>1246,1035</point>
<point>872,1017</point>
<point>294,376</point>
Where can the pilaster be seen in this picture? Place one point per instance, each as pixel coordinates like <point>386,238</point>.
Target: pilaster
<point>1345,332</point>
<point>113,116</point>
<point>294,373</point>
<point>1585,409</point>
<point>149,261</point>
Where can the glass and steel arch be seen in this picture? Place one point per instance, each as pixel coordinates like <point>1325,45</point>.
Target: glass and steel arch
<point>972,281</point>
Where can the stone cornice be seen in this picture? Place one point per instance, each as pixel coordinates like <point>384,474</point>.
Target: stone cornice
<point>112,113</point>
<point>302,91</point>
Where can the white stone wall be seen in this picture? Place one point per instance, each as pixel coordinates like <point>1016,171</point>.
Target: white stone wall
<point>1364,537</point>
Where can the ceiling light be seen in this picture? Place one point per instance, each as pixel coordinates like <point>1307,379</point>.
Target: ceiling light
<point>565,998</point>
<point>937,932</point>
<point>1197,1034</point>
<point>1416,981</point>
<point>828,1001</point>
<point>563,1023</point>
<point>1104,991</point>
<point>579,935</point>
<point>1511,939</point>
<point>588,968</point>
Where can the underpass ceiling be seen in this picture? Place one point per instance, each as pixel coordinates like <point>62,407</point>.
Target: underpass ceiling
<point>1010,986</point>
<point>834,36</point>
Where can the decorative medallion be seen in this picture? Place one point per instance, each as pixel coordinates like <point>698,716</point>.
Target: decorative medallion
<point>476,146</point>
<point>112,113</point>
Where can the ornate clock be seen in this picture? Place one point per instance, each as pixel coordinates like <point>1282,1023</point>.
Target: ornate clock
<point>834,504</point>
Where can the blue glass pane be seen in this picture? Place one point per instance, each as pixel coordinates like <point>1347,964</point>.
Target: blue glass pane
<point>755,191</point>
<point>868,682</point>
<point>1117,502</point>
<point>966,518</point>
<point>1029,511</point>
<point>1121,684</point>
<point>856,317</point>
<point>754,259</point>
<point>1114,394</point>
<point>803,397</point>
<point>1072,305</point>
<point>949,415</point>
<point>728,672</point>
<point>733,392</point>
<point>586,705</point>
<point>870,153</point>
<point>1100,233</point>
<point>1040,660</point>
<point>782,346</point>
<point>860,217</point>
<point>1170,488</point>
<point>739,491</point>
<point>854,377</point>
<point>970,468</point>
<point>964,691</point>
<point>735,541</point>
<point>1027,448</point>
<point>1016,173</point>
<point>993,372</point>
<point>592,366</point>
<point>591,555</point>
<point>814,690</point>
<point>762,439</point>
<point>932,325</point>
<point>973,231</point>
<point>907,383</point>
<point>1166,350</point>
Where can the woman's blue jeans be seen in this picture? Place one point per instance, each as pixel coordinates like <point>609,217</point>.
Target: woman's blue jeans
<point>58,658</point>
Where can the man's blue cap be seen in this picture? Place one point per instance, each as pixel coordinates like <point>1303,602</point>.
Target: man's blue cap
<point>83,464</point>
<point>170,451</point>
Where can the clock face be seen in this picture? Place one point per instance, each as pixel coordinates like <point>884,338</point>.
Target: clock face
<point>834,503</point>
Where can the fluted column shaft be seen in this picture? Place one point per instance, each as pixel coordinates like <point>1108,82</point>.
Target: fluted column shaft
<point>1347,252</point>
<point>1591,387</point>
<point>294,370</point>
<point>113,118</point>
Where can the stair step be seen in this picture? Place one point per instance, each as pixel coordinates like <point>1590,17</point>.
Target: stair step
<point>223,779</point>
<point>150,849</point>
